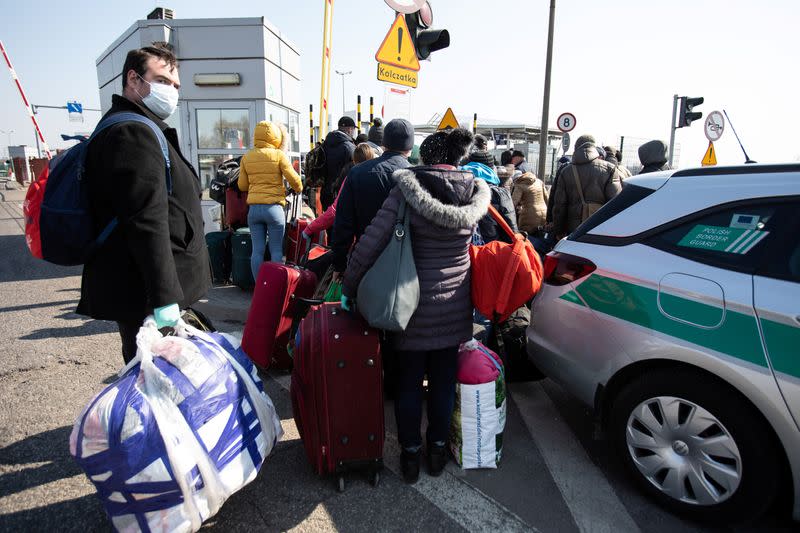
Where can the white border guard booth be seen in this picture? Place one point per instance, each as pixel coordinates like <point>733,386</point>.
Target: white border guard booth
<point>234,73</point>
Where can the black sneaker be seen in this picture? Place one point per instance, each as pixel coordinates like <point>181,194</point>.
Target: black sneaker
<point>437,459</point>
<point>409,464</point>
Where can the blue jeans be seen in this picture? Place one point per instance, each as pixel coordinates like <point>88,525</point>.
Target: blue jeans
<point>266,221</point>
<point>411,367</point>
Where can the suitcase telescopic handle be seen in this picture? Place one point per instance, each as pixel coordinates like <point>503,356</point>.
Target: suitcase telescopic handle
<point>311,301</point>
<point>302,306</point>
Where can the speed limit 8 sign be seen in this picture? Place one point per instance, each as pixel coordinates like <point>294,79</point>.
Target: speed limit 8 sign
<point>566,122</point>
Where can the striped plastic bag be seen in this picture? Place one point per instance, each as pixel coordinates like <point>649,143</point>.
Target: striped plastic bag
<point>185,426</point>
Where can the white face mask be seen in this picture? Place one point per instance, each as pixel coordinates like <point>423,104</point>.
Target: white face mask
<point>162,100</point>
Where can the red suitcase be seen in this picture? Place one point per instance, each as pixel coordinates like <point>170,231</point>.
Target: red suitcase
<point>295,244</point>
<point>296,223</point>
<point>269,321</point>
<point>236,208</point>
<point>337,392</point>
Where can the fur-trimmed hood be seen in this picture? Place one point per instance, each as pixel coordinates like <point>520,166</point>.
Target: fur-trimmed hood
<point>449,198</point>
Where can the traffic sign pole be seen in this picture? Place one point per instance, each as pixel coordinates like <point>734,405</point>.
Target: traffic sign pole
<point>325,80</point>
<point>546,96</point>
<point>672,128</point>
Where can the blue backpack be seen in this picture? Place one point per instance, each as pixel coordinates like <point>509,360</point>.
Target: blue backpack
<point>66,227</point>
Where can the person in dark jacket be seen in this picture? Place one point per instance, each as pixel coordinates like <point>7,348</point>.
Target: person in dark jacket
<point>155,260</point>
<point>599,182</point>
<point>614,157</point>
<point>375,136</point>
<point>653,156</point>
<point>562,164</point>
<point>338,147</point>
<point>367,186</point>
<point>481,153</point>
<point>502,201</point>
<point>445,205</point>
<point>518,160</point>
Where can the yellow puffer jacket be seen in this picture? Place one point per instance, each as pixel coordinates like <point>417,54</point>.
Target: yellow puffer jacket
<point>263,169</point>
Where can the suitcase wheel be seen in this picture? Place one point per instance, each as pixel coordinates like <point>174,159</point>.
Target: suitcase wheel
<point>376,478</point>
<point>340,484</point>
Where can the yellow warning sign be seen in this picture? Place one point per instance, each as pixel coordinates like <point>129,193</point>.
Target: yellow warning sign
<point>400,76</point>
<point>449,120</point>
<point>397,48</point>
<point>710,159</point>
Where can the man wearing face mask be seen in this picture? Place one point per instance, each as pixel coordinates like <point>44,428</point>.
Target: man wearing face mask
<point>155,261</point>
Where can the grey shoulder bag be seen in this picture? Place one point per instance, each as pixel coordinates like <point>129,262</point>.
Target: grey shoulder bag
<point>388,293</point>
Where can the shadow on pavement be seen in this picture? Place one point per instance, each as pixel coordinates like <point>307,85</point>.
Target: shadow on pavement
<point>90,327</point>
<point>28,307</point>
<point>20,265</point>
<point>81,515</point>
<point>50,447</point>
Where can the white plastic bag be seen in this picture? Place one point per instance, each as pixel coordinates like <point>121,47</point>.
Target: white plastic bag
<point>186,425</point>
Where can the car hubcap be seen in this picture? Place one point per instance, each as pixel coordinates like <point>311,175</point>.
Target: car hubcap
<point>684,450</point>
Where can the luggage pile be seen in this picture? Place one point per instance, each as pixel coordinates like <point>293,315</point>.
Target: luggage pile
<point>185,426</point>
<point>335,360</point>
<point>229,251</point>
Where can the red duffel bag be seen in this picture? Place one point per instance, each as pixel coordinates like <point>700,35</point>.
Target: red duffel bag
<point>513,268</point>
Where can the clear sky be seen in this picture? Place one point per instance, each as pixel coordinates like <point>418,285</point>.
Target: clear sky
<point>616,64</point>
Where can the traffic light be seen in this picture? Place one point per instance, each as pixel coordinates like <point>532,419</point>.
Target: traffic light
<point>426,39</point>
<point>686,116</point>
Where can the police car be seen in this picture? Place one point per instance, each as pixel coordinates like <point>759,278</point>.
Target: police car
<point>675,312</point>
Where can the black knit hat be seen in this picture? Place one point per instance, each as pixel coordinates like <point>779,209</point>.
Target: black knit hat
<point>376,132</point>
<point>481,143</point>
<point>398,135</point>
<point>346,122</point>
<point>445,147</point>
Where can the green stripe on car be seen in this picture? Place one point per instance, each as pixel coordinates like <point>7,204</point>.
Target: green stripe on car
<point>737,335</point>
<point>783,344</point>
<point>572,297</point>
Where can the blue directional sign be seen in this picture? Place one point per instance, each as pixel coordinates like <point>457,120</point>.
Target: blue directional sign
<point>74,107</point>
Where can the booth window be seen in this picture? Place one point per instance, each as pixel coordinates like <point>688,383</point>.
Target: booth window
<point>290,119</point>
<point>224,128</point>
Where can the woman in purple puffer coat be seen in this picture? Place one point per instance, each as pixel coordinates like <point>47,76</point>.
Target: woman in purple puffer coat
<point>445,205</point>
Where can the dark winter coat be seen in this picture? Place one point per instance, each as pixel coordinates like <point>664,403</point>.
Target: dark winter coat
<point>338,147</point>
<point>600,182</point>
<point>362,195</point>
<point>551,193</point>
<point>445,205</point>
<point>502,201</point>
<point>653,155</point>
<point>157,255</point>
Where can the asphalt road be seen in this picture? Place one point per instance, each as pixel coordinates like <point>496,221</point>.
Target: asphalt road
<point>553,477</point>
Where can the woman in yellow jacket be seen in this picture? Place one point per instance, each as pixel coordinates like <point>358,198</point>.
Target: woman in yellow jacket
<point>261,173</point>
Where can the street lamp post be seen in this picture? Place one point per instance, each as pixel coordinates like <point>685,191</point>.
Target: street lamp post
<point>546,97</point>
<point>343,74</point>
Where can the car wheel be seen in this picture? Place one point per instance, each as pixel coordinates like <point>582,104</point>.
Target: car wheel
<point>696,446</point>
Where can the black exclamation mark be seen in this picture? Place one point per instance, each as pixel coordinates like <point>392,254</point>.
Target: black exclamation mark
<point>399,42</point>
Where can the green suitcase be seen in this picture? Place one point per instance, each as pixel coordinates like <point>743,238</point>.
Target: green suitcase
<point>219,253</point>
